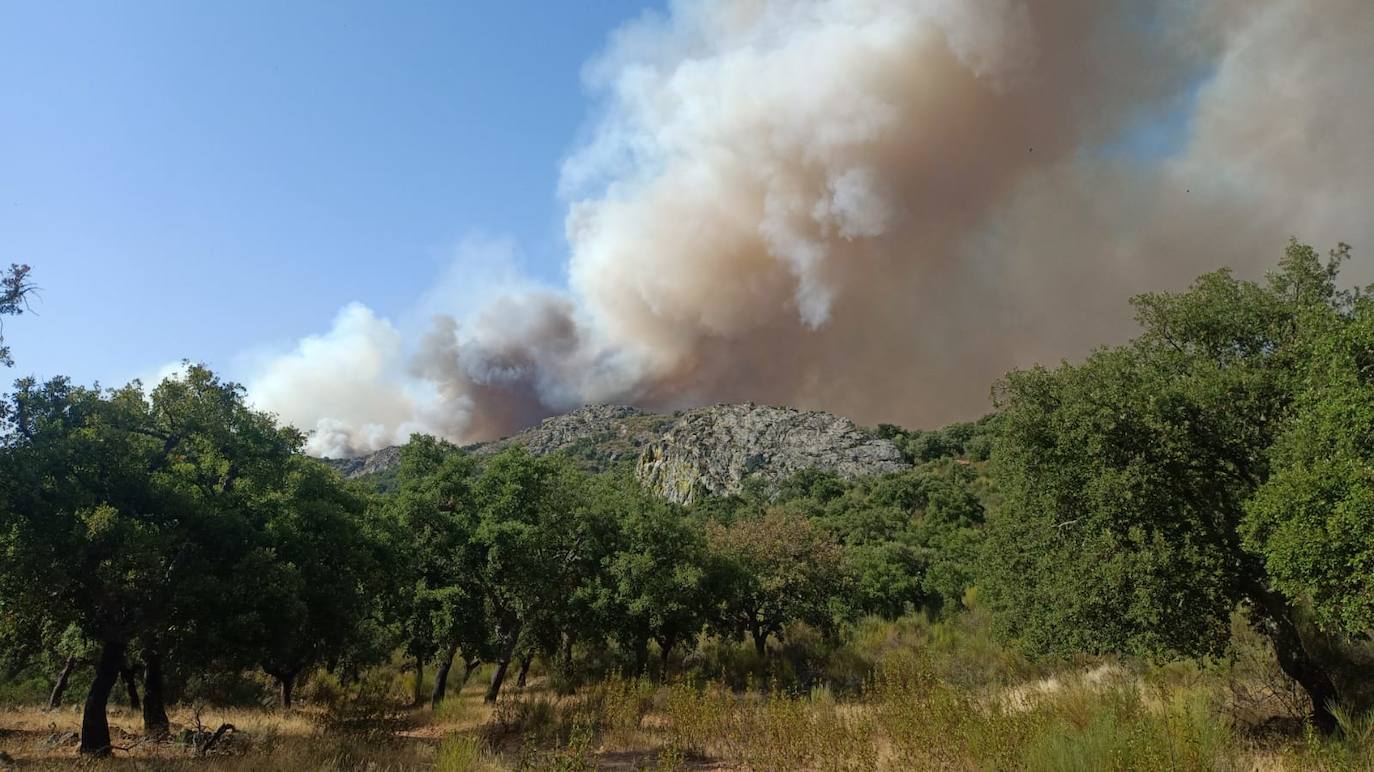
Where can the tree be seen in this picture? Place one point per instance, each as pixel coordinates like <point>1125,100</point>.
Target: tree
<point>126,515</point>
<point>77,544</point>
<point>540,537</point>
<point>1313,519</point>
<point>909,538</point>
<point>317,578</point>
<point>777,569</point>
<point>515,564</point>
<point>659,579</point>
<point>15,290</point>
<point>1126,478</point>
<point>441,606</point>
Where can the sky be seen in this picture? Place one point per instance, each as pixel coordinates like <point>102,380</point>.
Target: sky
<point>203,180</point>
<point>459,218</point>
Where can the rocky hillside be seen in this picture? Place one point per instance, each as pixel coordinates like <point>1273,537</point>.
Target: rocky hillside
<point>380,462</point>
<point>709,450</point>
<point>714,449</point>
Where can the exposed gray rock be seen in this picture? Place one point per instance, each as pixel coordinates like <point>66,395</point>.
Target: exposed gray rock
<point>713,450</point>
<point>377,462</point>
<point>709,450</point>
<point>596,431</point>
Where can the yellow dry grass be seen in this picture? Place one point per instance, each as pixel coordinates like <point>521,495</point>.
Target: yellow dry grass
<point>1075,719</point>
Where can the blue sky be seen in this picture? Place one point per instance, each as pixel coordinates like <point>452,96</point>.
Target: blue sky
<point>197,179</point>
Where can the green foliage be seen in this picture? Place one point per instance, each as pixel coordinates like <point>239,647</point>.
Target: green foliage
<point>1311,520</point>
<point>176,526</point>
<point>1126,479</point>
<point>319,587</point>
<point>661,580</point>
<point>1221,460</point>
<point>429,523</point>
<point>972,441</point>
<point>130,516</point>
<point>777,568</point>
<point>15,289</point>
<point>910,539</point>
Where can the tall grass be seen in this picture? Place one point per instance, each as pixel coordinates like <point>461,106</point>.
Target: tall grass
<point>911,717</point>
<point>912,694</point>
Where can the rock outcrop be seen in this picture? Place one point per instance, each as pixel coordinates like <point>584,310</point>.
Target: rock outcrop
<point>377,462</point>
<point>705,451</point>
<point>713,450</point>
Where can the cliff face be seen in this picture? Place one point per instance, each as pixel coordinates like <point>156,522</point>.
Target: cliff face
<point>713,450</point>
<point>377,462</point>
<point>709,450</point>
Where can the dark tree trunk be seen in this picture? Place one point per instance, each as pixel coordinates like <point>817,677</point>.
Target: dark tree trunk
<point>126,674</point>
<point>1297,662</point>
<point>60,688</point>
<point>497,678</point>
<point>155,721</point>
<point>760,640</point>
<point>469,666</point>
<point>418,698</point>
<point>95,725</point>
<point>665,651</point>
<point>523,678</point>
<point>502,664</point>
<point>566,674</point>
<point>641,662</point>
<point>441,675</point>
<point>288,685</point>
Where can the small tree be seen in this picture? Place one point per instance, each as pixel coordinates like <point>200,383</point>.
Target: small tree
<point>659,578</point>
<point>512,558</point>
<point>318,578</point>
<point>439,606</point>
<point>777,569</point>
<point>537,548</point>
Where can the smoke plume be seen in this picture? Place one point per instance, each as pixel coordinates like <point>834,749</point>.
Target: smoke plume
<point>877,207</point>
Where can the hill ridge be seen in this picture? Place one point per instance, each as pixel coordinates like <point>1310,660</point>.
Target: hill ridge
<point>710,450</point>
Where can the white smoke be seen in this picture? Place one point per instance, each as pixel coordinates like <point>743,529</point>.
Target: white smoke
<point>877,207</point>
<point>342,387</point>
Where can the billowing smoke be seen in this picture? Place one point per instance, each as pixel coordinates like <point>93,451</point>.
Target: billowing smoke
<point>877,207</point>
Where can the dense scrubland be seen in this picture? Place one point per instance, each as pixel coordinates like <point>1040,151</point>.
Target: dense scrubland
<point>1156,558</point>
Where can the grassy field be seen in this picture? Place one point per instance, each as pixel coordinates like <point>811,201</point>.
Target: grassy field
<point>933,696</point>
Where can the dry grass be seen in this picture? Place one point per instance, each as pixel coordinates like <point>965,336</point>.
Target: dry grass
<point>928,704</point>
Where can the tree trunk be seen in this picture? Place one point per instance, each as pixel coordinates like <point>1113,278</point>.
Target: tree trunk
<point>155,721</point>
<point>441,676</point>
<point>287,682</point>
<point>95,725</point>
<point>126,674</point>
<point>1297,662</point>
<point>494,690</point>
<point>502,664</point>
<point>641,662</point>
<point>665,650</point>
<point>521,679</point>
<point>418,698</point>
<point>60,688</point>
<point>469,666</point>
<point>567,681</point>
<point>760,640</point>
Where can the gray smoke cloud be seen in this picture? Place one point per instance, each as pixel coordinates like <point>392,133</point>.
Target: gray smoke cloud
<point>877,207</point>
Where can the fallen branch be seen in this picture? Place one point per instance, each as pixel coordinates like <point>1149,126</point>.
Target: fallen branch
<point>214,738</point>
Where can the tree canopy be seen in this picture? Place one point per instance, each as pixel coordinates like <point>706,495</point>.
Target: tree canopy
<point>1128,479</point>
<point>175,524</point>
